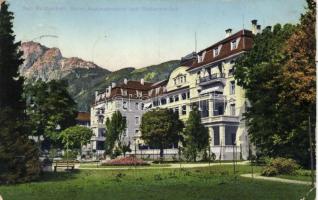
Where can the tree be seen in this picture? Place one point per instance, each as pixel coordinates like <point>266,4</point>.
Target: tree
<point>115,128</point>
<point>18,155</point>
<point>299,81</point>
<point>50,109</point>
<point>161,128</point>
<point>196,136</point>
<point>76,137</point>
<point>278,75</point>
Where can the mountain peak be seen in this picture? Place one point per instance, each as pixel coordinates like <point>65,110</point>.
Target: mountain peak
<point>41,62</point>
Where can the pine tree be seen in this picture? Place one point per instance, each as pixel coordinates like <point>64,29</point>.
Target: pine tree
<point>18,155</point>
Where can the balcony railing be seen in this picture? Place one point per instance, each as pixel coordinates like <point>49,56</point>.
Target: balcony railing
<point>212,78</point>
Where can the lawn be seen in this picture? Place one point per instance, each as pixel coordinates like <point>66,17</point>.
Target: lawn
<point>138,166</point>
<point>214,183</point>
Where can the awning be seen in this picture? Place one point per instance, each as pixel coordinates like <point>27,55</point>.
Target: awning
<point>212,89</point>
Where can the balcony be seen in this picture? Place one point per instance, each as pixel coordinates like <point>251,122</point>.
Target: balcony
<point>213,78</point>
<point>220,118</point>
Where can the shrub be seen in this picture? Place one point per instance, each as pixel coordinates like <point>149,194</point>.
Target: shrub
<point>126,161</point>
<point>280,166</point>
<point>269,171</point>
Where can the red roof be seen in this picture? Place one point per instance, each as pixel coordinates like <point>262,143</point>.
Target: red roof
<point>245,43</point>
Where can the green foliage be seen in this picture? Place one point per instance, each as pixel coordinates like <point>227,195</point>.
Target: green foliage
<point>115,128</point>
<point>18,154</point>
<point>70,155</point>
<point>50,109</point>
<point>276,128</point>
<point>76,136</point>
<point>278,166</point>
<point>196,136</point>
<point>160,128</point>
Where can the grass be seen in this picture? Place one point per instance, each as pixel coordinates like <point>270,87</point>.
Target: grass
<point>300,175</point>
<point>138,166</point>
<point>214,183</point>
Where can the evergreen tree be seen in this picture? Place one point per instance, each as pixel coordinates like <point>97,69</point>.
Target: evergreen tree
<point>18,155</point>
<point>161,128</point>
<point>196,136</point>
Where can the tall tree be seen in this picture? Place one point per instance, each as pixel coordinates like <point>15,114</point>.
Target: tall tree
<point>196,136</point>
<point>18,155</point>
<point>278,75</point>
<point>50,108</point>
<point>76,137</point>
<point>161,128</point>
<point>299,80</point>
<point>115,128</point>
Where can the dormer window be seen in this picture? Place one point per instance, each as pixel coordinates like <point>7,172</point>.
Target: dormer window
<point>216,52</point>
<point>233,44</point>
<point>157,90</point>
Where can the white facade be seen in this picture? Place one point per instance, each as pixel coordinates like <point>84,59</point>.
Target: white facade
<point>207,82</point>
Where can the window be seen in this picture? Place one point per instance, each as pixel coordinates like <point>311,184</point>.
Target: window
<point>216,135</point>
<point>176,98</point>
<point>136,105</point>
<point>232,87</point>
<point>124,105</point>
<point>176,110</point>
<point>230,135</point>
<point>171,99</point>
<point>232,109</point>
<point>216,52</point>
<point>184,110</point>
<point>136,131</point>
<point>188,95</point>
<point>163,101</point>
<point>142,106</point>
<point>231,71</point>
<point>233,45</point>
<point>184,96</point>
<point>137,120</point>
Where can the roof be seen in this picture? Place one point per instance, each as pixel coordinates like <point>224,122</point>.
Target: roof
<point>245,43</point>
<point>136,85</point>
<point>83,116</point>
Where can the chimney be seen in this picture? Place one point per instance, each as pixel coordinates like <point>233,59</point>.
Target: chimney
<point>96,93</point>
<point>258,27</point>
<point>228,32</point>
<point>254,26</point>
<point>125,81</point>
<point>113,84</point>
<point>142,81</point>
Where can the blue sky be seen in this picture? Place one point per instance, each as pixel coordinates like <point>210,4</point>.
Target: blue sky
<point>138,33</point>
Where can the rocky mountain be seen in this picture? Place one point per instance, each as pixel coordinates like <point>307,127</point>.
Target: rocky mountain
<point>47,64</point>
<point>83,77</point>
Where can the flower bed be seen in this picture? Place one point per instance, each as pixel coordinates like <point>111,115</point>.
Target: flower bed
<point>126,161</point>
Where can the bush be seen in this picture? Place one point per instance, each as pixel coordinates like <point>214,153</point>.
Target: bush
<point>280,166</point>
<point>126,161</point>
<point>269,171</point>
